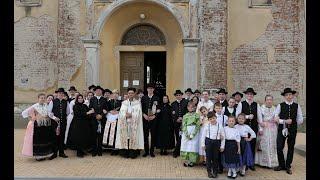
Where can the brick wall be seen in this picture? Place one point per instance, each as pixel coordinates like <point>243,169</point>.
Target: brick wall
<point>213,17</point>
<point>272,62</point>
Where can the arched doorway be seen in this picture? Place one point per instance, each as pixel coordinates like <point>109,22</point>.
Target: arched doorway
<point>137,69</point>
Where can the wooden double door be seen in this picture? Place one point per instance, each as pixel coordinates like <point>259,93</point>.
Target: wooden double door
<point>131,71</point>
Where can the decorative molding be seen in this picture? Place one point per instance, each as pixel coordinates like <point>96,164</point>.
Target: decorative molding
<point>103,1</point>
<point>188,42</point>
<point>180,1</point>
<point>28,3</point>
<point>94,43</point>
<point>143,34</point>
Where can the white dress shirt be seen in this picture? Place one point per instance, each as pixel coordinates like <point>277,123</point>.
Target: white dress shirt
<point>222,119</point>
<point>213,131</point>
<point>209,105</point>
<point>299,113</point>
<point>239,109</point>
<point>244,130</point>
<point>232,134</point>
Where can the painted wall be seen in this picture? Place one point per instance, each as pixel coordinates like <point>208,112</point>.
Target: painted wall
<point>116,26</point>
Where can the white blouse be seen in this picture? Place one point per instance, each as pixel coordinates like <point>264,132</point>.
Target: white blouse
<point>222,119</point>
<point>244,129</point>
<point>209,105</point>
<point>232,134</point>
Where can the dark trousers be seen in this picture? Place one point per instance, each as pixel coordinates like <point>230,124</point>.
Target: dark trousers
<point>149,127</point>
<point>59,140</point>
<point>254,141</point>
<point>97,146</point>
<point>212,154</point>
<point>291,140</point>
<point>178,140</point>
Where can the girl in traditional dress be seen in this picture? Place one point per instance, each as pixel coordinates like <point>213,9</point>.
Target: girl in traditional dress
<point>246,151</point>
<point>195,100</point>
<point>89,96</point>
<point>69,120</point>
<point>190,136</point>
<point>203,122</point>
<point>230,110</point>
<point>231,158</point>
<point>109,136</point>
<point>165,136</point>
<point>79,134</point>
<point>267,154</point>
<point>39,134</point>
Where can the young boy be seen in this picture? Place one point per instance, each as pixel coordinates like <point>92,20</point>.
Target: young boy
<point>190,136</point>
<point>212,141</point>
<point>221,118</point>
<point>289,116</point>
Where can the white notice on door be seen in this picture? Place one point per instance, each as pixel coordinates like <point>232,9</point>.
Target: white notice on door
<point>135,82</point>
<point>125,83</point>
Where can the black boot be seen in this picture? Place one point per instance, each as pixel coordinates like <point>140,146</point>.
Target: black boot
<point>210,175</point>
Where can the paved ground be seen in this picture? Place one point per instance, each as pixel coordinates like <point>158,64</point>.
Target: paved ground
<point>115,166</point>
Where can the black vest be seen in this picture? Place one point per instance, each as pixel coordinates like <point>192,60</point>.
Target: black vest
<point>227,113</point>
<point>59,109</point>
<point>289,112</point>
<point>251,109</point>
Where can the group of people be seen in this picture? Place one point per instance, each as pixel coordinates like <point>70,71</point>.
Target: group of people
<point>218,133</point>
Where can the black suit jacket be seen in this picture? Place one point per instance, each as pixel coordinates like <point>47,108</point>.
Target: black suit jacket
<point>146,101</point>
<point>183,110</point>
<point>98,106</point>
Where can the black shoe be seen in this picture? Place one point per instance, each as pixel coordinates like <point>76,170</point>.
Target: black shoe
<point>185,164</point>
<point>204,163</point>
<point>215,175</point>
<point>241,174</point>
<point>152,154</point>
<point>80,155</point>
<point>175,155</point>
<point>63,155</point>
<point>279,168</point>
<point>233,177</point>
<point>289,171</point>
<point>220,171</point>
<point>99,153</point>
<point>41,159</point>
<point>190,165</point>
<point>210,175</point>
<point>145,154</point>
<point>94,154</point>
<point>165,153</point>
<point>252,168</point>
<point>53,156</point>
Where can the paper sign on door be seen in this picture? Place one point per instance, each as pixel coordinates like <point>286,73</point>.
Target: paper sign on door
<point>125,83</point>
<point>135,82</point>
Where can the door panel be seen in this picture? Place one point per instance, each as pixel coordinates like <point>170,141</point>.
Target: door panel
<point>131,71</point>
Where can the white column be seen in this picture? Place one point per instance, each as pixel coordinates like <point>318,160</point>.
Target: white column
<point>191,63</point>
<point>92,61</point>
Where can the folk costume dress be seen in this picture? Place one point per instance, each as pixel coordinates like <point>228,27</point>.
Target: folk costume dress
<point>245,146</point>
<point>190,137</point>
<point>80,132</point>
<point>38,140</point>
<point>202,152</point>
<point>267,150</point>
<point>130,130</point>
<point>230,157</point>
<point>165,130</point>
<point>110,129</point>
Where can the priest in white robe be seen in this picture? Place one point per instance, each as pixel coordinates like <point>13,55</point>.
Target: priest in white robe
<point>129,137</point>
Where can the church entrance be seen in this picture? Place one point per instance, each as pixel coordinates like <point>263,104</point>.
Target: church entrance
<point>137,69</point>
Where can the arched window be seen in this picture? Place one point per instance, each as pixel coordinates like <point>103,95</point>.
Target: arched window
<point>143,34</point>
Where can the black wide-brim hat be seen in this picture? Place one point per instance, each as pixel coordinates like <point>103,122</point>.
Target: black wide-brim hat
<point>178,92</point>
<point>98,87</point>
<point>150,85</point>
<point>221,90</point>
<point>288,90</point>
<point>237,93</point>
<point>188,90</point>
<point>250,90</point>
<point>108,90</point>
<point>92,86</point>
<point>197,91</point>
<point>60,90</point>
<point>72,88</point>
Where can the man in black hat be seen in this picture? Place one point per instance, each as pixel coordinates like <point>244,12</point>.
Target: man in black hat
<point>197,93</point>
<point>91,88</point>
<point>237,97</point>
<point>253,116</point>
<point>72,91</point>
<point>107,93</point>
<point>150,106</point>
<point>58,111</point>
<point>179,109</point>
<point>289,116</point>
<point>222,95</point>
<point>55,94</point>
<point>189,94</point>
<point>99,104</point>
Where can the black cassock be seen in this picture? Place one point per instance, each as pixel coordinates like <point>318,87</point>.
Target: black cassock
<point>80,135</point>
<point>165,130</point>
